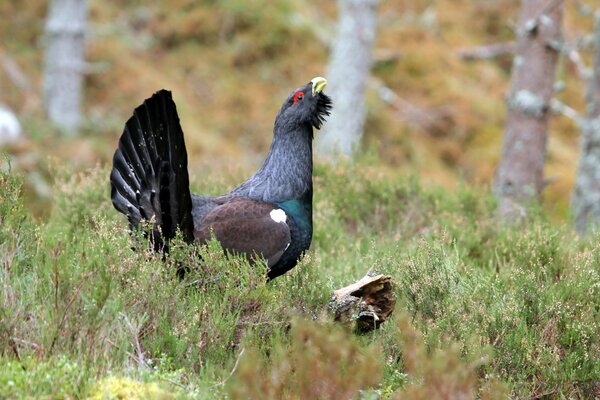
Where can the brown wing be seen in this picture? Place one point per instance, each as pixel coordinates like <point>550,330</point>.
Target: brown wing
<point>247,227</point>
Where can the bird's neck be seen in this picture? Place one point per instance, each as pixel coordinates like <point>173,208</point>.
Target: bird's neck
<point>286,173</point>
<point>289,163</point>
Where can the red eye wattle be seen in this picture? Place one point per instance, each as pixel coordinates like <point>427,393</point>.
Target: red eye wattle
<point>298,96</point>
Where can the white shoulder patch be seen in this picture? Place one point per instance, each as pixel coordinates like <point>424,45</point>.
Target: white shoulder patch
<point>278,215</point>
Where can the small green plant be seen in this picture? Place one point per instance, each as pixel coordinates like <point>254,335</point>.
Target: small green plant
<point>56,378</point>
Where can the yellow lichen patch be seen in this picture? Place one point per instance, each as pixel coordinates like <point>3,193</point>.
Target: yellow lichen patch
<point>116,388</point>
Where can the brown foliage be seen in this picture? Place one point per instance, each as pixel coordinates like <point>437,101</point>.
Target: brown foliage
<point>440,374</point>
<point>319,363</point>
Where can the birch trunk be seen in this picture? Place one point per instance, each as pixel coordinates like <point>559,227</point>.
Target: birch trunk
<point>519,178</point>
<point>348,71</point>
<point>586,196</point>
<point>64,62</point>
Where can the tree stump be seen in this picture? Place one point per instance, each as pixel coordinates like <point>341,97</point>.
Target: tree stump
<point>365,304</point>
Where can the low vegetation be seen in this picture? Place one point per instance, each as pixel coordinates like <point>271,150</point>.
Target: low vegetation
<point>483,310</point>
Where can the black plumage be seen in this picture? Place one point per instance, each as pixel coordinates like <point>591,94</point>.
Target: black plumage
<point>269,215</point>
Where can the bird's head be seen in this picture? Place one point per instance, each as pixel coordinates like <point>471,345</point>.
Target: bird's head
<point>306,105</point>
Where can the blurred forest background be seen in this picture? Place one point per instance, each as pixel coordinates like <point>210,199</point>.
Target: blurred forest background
<point>230,63</point>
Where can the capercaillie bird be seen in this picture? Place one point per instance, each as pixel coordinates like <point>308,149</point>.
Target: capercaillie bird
<point>269,215</point>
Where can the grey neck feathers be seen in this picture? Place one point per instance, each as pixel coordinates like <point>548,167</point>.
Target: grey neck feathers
<point>287,171</point>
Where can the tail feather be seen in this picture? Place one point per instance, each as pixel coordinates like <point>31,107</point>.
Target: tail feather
<point>149,179</point>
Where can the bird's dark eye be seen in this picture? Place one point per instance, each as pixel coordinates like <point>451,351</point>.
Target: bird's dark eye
<point>298,96</point>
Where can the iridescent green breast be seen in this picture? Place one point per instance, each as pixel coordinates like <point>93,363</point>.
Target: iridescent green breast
<point>301,211</point>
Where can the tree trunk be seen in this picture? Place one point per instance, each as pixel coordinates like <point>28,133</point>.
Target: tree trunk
<point>348,71</point>
<point>586,196</point>
<point>64,62</point>
<point>519,178</point>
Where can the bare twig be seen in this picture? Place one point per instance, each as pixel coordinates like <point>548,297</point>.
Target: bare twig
<point>15,349</point>
<point>68,308</point>
<point>8,260</point>
<point>172,382</point>
<point>237,361</point>
<point>544,394</point>
<point>487,51</point>
<point>26,343</point>
<point>558,107</point>
<point>14,72</point>
<point>383,55</point>
<point>570,47</point>
<point>11,342</point>
<point>56,278</point>
<point>16,75</point>
<point>547,8</point>
<point>267,323</point>
<point>405,110</point>
<point>575,57</point>
<point>135,330</point>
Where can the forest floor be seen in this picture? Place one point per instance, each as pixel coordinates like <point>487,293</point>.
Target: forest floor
<point>483,309</point>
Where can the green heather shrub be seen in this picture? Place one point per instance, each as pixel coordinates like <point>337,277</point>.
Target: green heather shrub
<point>483,309</point>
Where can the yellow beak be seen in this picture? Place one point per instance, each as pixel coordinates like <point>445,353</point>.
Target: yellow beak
<point>318,84</point>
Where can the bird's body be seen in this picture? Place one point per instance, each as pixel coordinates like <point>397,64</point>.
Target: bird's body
<point>268,215</point>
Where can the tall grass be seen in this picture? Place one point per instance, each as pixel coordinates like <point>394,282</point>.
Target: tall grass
<point>483,310</point>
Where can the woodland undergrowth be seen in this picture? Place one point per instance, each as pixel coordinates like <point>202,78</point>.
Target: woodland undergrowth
<point>484,310</point>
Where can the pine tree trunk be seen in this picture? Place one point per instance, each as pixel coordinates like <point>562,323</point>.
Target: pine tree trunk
<point>586,196</point>
<point>519,178</point>
<point>348,71</point>
<point>64,62</point>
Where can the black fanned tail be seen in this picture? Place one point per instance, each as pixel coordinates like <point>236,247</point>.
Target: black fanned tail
<point>149,179</point>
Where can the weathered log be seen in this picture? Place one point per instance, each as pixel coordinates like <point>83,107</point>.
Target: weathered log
<point>365,304</point>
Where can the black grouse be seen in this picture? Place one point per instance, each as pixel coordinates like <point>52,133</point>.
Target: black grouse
<point>269,215</point>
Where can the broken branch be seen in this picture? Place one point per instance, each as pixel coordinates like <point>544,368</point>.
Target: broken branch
<point>487,52</point>
<point>365,304</point>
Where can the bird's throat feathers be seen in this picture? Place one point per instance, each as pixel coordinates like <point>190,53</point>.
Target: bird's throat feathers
<point>289,163</point>
<point>286,173</point>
